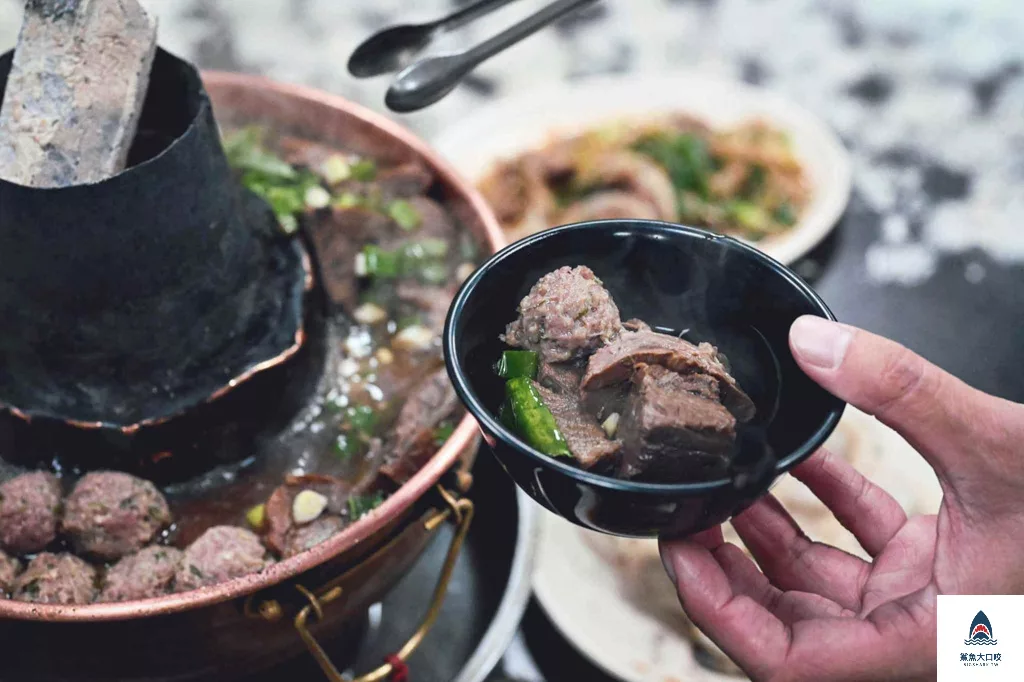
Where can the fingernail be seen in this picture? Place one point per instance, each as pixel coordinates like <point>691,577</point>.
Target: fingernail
<point>819,342</point>
<point>666,561</point>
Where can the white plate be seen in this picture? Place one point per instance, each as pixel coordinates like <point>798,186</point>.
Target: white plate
<point>612,600</point>
<point>510,126</point>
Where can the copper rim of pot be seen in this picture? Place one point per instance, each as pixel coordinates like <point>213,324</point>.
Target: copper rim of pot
<point>487,230</point>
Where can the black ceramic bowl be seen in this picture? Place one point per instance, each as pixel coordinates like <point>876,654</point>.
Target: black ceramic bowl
<point>709,287</point>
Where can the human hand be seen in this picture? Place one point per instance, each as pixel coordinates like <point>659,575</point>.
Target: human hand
<point>808,611</point>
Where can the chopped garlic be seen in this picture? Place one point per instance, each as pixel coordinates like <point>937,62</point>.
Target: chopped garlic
<point>415,337</point>
<point>307,506</point>
<point>463,272</point>
<point>385,356</point>
<point>370,313</point>
<point>257,516</point>
<point>336,169</point>
<point>611,424</point>
<point>317,197</point>
<point>348,367</point>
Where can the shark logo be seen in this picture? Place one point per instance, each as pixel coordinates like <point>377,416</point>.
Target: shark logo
<point>981,631</point>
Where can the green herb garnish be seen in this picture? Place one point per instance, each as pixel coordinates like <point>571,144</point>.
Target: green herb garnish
<point>404,214</point>
<point>361,505</point>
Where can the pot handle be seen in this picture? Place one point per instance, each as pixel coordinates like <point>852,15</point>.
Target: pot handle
<point>462,511</point>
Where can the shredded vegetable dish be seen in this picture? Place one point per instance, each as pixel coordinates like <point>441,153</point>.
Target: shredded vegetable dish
<point>744,181</point>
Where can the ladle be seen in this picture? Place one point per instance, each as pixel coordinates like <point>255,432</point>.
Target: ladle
<point>429,80</point>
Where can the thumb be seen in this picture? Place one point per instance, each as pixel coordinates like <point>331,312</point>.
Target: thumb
<point>958,429</point>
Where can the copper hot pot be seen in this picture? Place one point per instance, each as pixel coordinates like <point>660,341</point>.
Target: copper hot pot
<point>250,623</point>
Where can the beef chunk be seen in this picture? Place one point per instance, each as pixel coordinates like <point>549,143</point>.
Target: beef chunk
<point>338,235</point>
<point>147,573</point>
<point>411,443</point>
<point>29,507</point>
<point>673,427</point>
<point>432,301</point>
<point>564,378</point>
<point>309,535</point>
<point>110,514</point>
<point>568,314</point>
<point>56,579</point>
<point>560,377</point>
<point>279,522</point>
<point>404,181</point>
<point>221,553</point>
<point>615,363</point>
<point>587,441</point>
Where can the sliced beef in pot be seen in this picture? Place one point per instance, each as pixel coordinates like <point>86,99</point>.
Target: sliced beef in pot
<point>280,521</point>
<point>338,235</point>
<point>29,510</point>
<point>147,573</point>
<point>432,301</point>
<point>587,441</point>
<point>674,428</point>
<point>568,314</point>
<point>615,363</point>
<point>56,579</point>
<point>9,569</point>
<point>411,443</point>
<point>404,181</point>
<point>307,536</point>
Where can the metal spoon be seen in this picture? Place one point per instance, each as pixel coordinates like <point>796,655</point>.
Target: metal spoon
<point>429,80</point>
<point>394,48</point>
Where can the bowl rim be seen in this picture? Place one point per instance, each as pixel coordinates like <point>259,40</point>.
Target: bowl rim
<point>404,497</point>
<point>491,424</point>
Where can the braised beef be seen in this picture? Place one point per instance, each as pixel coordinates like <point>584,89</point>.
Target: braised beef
<point>29,510</point>
<point>56,579</point>
<point>431,300</point>
<point>279,522</point>
<point>404,181</point>
<point>147,573</point>
<point>567,314</point>
<point>629,401</point>
<point>309,535</point>
<point>560,377</point>
<point>413,440</point>
<point>615,363</point>
<point>110,514</point>
<point>587,441</point>
<point>339,234</point>
<point>673,427</point>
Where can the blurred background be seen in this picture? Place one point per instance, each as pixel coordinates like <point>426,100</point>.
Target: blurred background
<point>926,95</point>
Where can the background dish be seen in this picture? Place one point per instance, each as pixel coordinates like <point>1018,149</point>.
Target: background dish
<point>510,126</point>
<point>612,600</point>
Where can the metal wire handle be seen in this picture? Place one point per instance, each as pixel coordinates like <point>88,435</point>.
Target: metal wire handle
<point>462,510</point>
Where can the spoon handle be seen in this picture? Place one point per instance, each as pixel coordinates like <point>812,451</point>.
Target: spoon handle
<point>523,29</point>
<point>469,13</point>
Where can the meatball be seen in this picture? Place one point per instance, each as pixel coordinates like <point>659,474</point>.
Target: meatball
<point>56,579</point>
<point>9,568</point>
<point>147,573</point>
<point>110,514</point>
<point>29,508</point>
<point>301,538</point>
<point>568,314</point>
<point>219,554</point>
